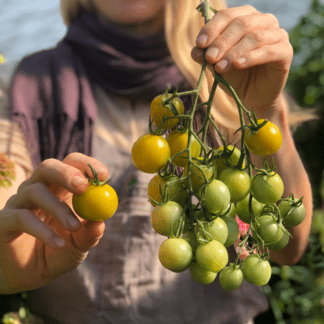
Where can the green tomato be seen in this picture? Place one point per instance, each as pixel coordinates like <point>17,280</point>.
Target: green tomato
<point>281,243</point>
<point>256,270</point>
<point>292,215</point>
<point>231,278</point>
<point>230,212</point>
<point>217,229</point>
<point>268,229</point>
<point>242,209</point>
<point>217,197</point>
<point>232,157</point>
<point>233,231</point>
<point>267,189</point>
<point>212,256</point>
<point>238,182</point>
<point>165,218</point>
<point>175,254</point>
<point>201,275</point>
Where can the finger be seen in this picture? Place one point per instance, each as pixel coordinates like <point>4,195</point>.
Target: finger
<point>38,196</point>
<point>68,175</point>
<point>198,55</point>
<point>252,25</point>
<point>248,43</point>
<point>277,56</point>
<point>219,22</point>
<point>24,220</point>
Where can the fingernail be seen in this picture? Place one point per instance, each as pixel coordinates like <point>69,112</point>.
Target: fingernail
<point>212,52</point>
<point>78,181</point>
<point>222,64</point>
<point>73,222</point>
<point>202,40</point>
<point>241,60</point>
<point>59,242</point>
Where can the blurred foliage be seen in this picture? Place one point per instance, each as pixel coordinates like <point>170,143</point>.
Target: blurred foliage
<point>296,293</point>
<point>306,85</point>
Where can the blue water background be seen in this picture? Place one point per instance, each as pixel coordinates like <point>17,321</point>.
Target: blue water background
<point>27,26</point>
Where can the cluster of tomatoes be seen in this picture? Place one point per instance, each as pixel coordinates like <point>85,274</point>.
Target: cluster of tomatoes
<point>197,210</point>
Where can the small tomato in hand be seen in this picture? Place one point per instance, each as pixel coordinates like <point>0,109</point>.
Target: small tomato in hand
<point>98,203</point>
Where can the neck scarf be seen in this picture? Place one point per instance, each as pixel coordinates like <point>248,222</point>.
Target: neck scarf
<point>52,90</point>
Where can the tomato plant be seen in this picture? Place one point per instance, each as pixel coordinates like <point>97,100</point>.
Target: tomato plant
<point>267,189</point>
<point>256,270</point>
<point>150,153</point>
<point>98,203</point>
<point>159,110</point>
<point>201,275</point>
<point>238,182</point>
<point>263,141</point>
<point>175,254</point>
<point>231,278</point>
<point>165,218</point>
<point>178,141</point>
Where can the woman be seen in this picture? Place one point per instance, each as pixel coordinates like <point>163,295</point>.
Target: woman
<point>102,77</point>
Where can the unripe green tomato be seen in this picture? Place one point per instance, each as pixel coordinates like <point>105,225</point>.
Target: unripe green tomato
<point>267,189</point>
<point>281,243</point>
<point>268,229</point>
<point>238,182</point>
<point>201,275</point>
<point>175,254</point>
<point>230,278</point>
<point>292,216</point>
<point>242,209</point>
<point>197,177</point>
<point>232,159</point>
<point>233,231</point>
<point>212,256</point>
<point>230,212</point>
<point>165,218</point>
<point>217,229</point>
<point>217,197</point>
<point>256,270</point>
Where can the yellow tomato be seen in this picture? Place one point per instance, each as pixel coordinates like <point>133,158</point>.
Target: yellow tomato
<point>97,203</point>
<point>266,141</point>
<point>178,142</point>
<point>150,153</point>
<point>158,111</point>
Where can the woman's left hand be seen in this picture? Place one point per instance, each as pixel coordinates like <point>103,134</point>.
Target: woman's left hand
<point>254,54</point>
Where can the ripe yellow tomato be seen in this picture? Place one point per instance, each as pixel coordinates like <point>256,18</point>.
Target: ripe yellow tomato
<point>158,111</point>
<point>266,141</point>
<point>178,142</point>
<point>150,153</point>
<point>97,203</point>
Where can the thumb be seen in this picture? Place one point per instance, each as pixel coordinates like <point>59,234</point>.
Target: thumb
<point>88,235</point>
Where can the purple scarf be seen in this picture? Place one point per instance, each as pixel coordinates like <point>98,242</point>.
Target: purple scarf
<point>52,90</point>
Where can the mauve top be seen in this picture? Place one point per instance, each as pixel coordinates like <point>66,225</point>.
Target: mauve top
<point>122,281</point>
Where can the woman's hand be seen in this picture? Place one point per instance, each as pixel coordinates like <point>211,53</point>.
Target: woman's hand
<point>37,218</point>
<point>250,51</point>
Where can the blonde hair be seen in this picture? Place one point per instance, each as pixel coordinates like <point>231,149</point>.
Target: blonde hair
<point>182,25</point>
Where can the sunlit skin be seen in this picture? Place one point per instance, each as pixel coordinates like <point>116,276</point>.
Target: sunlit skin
<point>136,16</point>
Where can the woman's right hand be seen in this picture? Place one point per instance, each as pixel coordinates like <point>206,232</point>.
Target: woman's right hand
<point>40,213</point>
